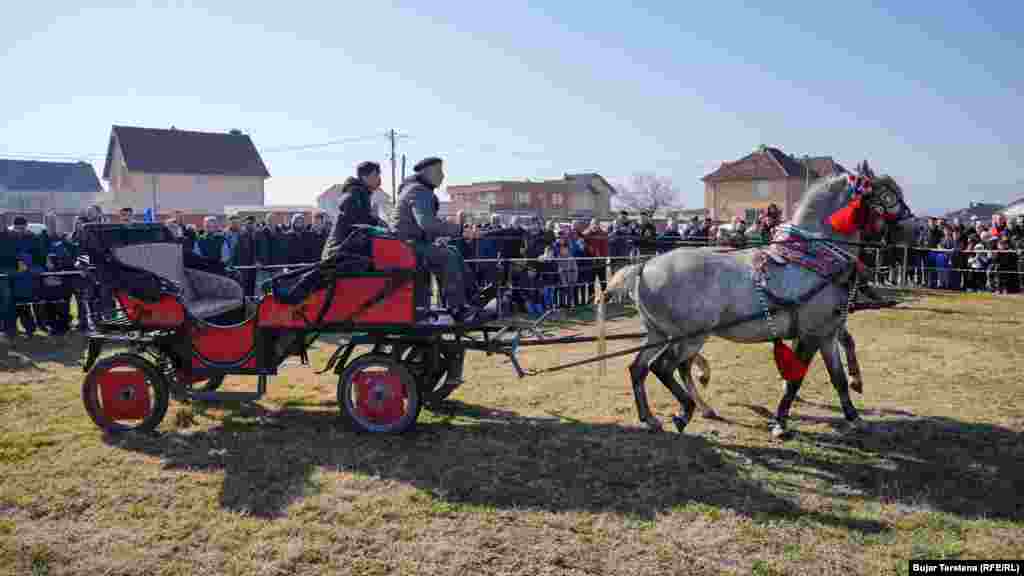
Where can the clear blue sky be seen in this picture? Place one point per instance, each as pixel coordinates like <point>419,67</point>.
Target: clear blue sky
<point>930,92</point>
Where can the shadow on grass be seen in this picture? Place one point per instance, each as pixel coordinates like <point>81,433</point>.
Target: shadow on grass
<point>24,354</point>
<point>942,464</point>
<point>471,455</point>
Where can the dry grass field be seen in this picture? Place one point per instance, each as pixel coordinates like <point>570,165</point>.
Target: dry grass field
<point>546,475</point>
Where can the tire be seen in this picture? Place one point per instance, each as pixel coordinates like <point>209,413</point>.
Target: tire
<point>433,387</point>
<point>359,422</point>
<point>160,397</point>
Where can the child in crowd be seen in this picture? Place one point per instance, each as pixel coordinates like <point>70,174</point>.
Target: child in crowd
<point>979,263</point>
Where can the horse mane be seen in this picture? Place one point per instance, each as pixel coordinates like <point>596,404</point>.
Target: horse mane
<point>826,195</point>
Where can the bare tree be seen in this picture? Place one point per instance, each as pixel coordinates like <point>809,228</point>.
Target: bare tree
<point>648,192</point>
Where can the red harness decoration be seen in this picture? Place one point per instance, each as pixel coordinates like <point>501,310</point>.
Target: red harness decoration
<point>790,366</point>
<point>850,218</point>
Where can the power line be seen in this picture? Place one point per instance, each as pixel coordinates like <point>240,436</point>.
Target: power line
<point>51,155</point>
<point>351,140</point>
<point>285,148</point>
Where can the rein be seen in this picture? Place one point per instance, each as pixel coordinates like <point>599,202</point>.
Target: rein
<point>828,281</point>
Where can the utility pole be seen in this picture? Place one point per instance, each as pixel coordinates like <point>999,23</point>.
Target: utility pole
<point>394,188</point>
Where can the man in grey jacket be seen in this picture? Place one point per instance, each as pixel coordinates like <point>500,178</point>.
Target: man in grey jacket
<point>415,220</point>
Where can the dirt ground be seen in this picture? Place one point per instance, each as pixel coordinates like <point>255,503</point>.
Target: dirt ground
<point>545,475</point>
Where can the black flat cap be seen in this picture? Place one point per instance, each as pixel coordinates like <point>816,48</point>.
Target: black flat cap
<point>422,164</point>
<point>367,168</point>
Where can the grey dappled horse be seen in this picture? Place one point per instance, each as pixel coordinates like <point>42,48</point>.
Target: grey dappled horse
<point>706,292</point>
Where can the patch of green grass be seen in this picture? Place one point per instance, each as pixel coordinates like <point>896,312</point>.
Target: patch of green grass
<point>791,552</point>
<point>16,448</point>
<point>938,536</point>
<point>634,522</point>
<point>700,510</point>
<point>6,527</point>
<point>39,558</point>
<point>763,568</point>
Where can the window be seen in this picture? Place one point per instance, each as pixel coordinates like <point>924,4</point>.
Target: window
<point>751,216</point>
<point>762,188</point>
<point>200,182</point>
<point>584,200</point>
<point>522,198</point>
<point>488,197</point>
<point>556,199</point>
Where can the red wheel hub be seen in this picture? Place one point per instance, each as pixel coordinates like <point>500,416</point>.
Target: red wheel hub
<point>381,396</point>
<point>124,393</point>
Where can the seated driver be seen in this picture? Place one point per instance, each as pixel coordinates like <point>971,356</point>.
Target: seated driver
<point>415,220</point>
<point>354,208</point>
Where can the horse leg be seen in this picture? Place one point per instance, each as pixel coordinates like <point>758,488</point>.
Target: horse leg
<point>852,365</point>
<point>638,373</point>
<point>664,367</point>
<point>805,350</point>
<point>836,373</point>
<point>686,376</point>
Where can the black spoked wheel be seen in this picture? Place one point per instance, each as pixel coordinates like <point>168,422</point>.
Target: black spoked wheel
<point>125,393</point>
<point>433,383</point>
<point>377,394</point>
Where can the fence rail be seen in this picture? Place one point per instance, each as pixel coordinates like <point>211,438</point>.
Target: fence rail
<point>898,265</point>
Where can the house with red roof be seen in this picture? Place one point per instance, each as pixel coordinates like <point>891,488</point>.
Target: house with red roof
<point>765,176</point>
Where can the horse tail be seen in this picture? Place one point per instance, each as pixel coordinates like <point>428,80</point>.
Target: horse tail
<point>623,281</point>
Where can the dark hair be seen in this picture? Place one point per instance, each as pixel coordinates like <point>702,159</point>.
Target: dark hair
<point>367,169</point>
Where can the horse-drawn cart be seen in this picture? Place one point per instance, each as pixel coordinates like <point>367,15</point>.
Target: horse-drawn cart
<point>181,330</point>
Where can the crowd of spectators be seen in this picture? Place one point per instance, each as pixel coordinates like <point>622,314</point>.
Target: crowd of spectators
<point>555,264</point>
<point>538,265</point>
<point>971,256</point>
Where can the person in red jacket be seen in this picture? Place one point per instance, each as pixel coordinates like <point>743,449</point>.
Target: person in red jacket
<point>595,242</point>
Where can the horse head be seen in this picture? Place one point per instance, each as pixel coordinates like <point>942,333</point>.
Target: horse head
<point>847,206</point>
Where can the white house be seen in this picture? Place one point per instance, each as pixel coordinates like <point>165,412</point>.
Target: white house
<point>182,170</point>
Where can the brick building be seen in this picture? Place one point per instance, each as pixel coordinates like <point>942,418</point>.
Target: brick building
<point>575,196</point>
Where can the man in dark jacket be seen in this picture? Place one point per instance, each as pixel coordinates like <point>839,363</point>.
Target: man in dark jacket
<point>415,220</point>
<point>210,242</point>
<point>30,258</point>
<point>244,254</point>
<point>354,208</point>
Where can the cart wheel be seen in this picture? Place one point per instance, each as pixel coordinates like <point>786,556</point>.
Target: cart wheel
<point>377,394</point>
<point>125,393</point>
<point>433,387</point>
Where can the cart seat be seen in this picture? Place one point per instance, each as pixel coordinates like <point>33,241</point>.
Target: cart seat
<point>203,294</point>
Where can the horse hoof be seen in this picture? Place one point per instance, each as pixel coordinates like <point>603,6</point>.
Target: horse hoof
<point>680,422</point>
<point>779,432</point>
<point>857,385</point>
